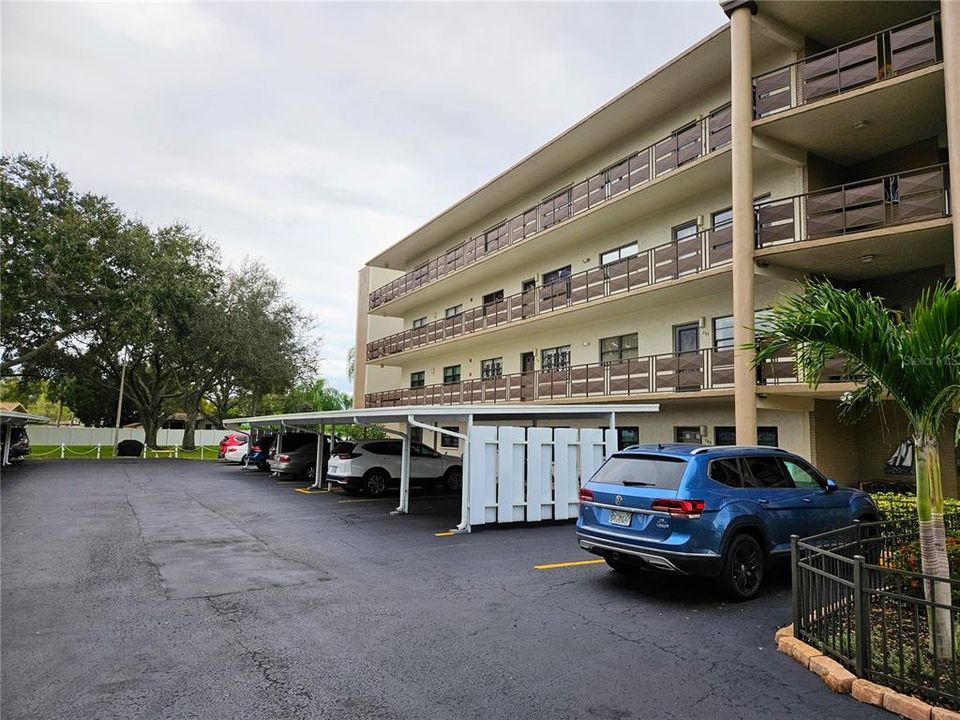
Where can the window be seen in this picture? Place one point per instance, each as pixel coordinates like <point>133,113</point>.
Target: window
<point>417,449</point>
<point>448,441</point>
<point>656,471</point>
<point>492,368</point>
<point>620,253</point>
<point>419,322</point>
<point>453,311</point>
<point>416,436</point>
<point>385,447</point>
<point>556,275</point>
<point>722,218</point>
<point>451,374</point>
<point>418,379</point>
<point>493,297</point>
<point>555,358</point>
<point>682,232</point>
<point>627,436</point>
<point>528,285</point>
<point>723,333</point>
<point>803,475</point>
<point>687,435</point>
<point>619,348</point>
<point>766,473</point>
<point>726,471</point>
<point>766,435</point>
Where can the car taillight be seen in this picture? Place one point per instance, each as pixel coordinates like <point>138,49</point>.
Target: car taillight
<point>679,508</point>
<point>283,459</point>
<point>586,495</point>
<point>348,456</point>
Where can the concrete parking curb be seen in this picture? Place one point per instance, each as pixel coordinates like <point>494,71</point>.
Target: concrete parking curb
<point>841,680</point>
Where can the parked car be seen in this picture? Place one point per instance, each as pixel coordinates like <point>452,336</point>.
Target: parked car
<point>373,466</point>
<point>259,451</point>
<point>722,512</point>
<point>236,453</point>
<point>290,441</point>
<point>19,443</point>
<point>302,462</point>
<point>231,439</point>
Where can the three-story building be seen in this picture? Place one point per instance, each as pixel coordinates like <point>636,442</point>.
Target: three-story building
<point>631,257</point>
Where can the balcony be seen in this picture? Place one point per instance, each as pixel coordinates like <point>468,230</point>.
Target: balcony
<point>687,256</point>
<point>887,201</point>
<point>888,54</point>
<point>689,372</point>
<point>693,141</point>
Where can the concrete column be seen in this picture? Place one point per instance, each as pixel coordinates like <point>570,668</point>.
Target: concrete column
<point>360,339</point>
<point>950,28</point>
<point>741,100</point>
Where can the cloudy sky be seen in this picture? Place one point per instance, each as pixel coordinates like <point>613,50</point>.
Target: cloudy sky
<point>314,134</point>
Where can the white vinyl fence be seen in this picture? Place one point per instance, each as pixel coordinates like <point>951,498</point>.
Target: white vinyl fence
<point>71,436</point>
<point>522,474</point>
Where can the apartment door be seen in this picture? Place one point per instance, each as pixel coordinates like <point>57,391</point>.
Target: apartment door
<point>528,377</point>
<point>528,297</point>
<point>686,345</point>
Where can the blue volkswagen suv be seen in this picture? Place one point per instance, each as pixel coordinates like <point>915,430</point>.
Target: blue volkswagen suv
<point>723,512</point>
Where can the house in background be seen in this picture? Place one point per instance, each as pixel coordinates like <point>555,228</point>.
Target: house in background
<point>610,265</point>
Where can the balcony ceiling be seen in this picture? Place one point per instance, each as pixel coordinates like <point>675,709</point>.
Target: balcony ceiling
<point>892,253</point>
<point>827,127</point>
<point>835,22</point>
<point>697,70</point>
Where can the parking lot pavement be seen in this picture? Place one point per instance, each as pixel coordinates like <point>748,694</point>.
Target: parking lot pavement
<point>174,589</point>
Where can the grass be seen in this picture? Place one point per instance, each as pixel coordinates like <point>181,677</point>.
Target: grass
<point>89,452</point>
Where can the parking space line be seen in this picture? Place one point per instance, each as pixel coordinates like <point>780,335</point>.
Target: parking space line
<point>366,500</point>
<point>309,491</point>
<point>574,563</point>
<point>448,533</point>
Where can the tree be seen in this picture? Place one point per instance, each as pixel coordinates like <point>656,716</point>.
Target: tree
<point>59,279</point>
<point>351,363</point>
<point>914,361</point>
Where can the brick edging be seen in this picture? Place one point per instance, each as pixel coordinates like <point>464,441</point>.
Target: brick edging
<point>841,680</point>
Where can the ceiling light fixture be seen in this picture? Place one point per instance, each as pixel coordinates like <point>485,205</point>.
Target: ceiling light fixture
<point>861,124</point>
<point>867,259</point>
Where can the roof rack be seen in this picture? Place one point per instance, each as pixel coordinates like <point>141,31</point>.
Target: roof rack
<point>769,448</point>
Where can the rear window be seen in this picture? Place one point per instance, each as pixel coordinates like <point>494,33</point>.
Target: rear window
<point>343,448</point>
<point>654,471</point>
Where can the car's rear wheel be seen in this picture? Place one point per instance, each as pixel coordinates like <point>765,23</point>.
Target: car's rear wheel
<point>743,568</point>
<point>376,482</point>
<point>453,480</point>
<point>309,472</point>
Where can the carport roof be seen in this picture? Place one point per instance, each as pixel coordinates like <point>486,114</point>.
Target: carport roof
<point>366,416</point>
<point>13,417</point>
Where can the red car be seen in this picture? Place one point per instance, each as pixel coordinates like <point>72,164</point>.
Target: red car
<point>231,440</point>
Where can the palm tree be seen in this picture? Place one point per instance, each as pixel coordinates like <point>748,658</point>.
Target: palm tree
<point>913,361</point>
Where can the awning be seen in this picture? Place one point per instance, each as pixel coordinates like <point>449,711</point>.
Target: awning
<point>421,415</point>
<point>10,419</point>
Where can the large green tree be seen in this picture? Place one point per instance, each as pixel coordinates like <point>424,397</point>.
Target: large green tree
<point>913,360</point>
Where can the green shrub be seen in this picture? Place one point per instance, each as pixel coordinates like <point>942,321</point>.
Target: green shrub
<point>895,506</point>
<point>907,557</point>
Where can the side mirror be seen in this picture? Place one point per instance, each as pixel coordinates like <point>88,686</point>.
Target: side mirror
<point>831,485</point>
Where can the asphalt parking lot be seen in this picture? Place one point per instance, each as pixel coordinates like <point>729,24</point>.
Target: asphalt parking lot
<point>179,589</point>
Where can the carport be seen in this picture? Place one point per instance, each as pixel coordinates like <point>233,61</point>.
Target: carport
<point>9,419</point>
<point>478,434</point>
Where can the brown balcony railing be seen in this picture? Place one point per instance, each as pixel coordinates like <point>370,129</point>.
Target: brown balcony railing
<point>680,147</point>
<point>675,372</point>
<point>686,256</point>
<point>892,52</point>
<point>855,207</point>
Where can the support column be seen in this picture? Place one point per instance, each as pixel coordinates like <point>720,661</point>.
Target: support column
<point>404,506</point>
<point>7,438</point>
<point>741,101</point>
<point>950,30</point>
<point>360,338</point>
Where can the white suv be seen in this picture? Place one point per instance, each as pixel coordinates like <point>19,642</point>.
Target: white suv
<point>374,467</point>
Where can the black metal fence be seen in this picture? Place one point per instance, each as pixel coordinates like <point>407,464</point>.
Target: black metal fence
<point>857,599</point>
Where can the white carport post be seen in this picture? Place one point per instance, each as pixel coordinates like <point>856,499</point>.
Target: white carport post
<point>318,469</point>
<point>404,506</point>
<point>464,525</point>
<point>7,437</point>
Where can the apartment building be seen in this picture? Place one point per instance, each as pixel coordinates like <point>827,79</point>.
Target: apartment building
<point>630,258</point>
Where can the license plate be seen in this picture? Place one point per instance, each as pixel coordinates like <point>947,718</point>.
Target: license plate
<point>620,517</point>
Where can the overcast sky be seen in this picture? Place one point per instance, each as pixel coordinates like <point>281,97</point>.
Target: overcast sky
<point>314,134</point>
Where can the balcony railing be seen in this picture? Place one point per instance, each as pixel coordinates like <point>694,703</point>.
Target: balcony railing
<point>679,148</point>
<point>675,372</point>
<point>855,207</point>
<point>898,50</point>
<point>686,256</point>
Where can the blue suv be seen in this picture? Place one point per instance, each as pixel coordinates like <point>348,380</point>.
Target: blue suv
<point>722,512</point>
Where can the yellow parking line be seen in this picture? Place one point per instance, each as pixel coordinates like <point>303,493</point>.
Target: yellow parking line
<point>366,500</point>
<point>575,563</point>
<point>448,533</point>
<point>309,491</point>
